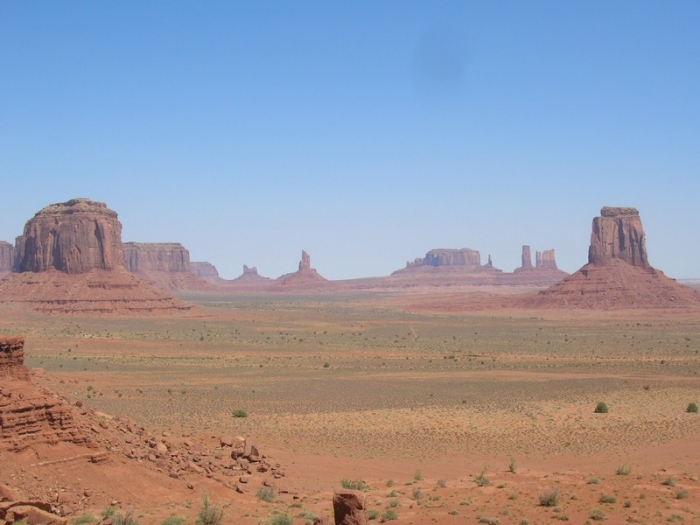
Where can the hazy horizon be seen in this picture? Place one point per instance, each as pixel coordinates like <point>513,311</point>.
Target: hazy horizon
<point>364,133</point>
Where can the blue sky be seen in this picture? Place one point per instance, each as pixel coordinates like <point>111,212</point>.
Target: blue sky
<point>364,132</point>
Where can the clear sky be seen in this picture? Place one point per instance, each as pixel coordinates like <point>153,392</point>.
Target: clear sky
<point>366,132</point>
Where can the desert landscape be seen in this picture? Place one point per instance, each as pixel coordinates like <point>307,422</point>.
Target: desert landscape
<point>134,389</point>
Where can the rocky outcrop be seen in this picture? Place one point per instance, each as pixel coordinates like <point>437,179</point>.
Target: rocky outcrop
<point>6,257</point>
<point>70,259</point>
<point>618,274</point>
<point>349,508</point>
<point>305,263</point>
<point>618,235</point>
<point>544,273</point>
<point>72,237</point>
<point>156,257</point>
<point>27,415</point>
<point>12,358</point>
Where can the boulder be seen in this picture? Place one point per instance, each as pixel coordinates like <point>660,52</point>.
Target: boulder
<point>349,508</point>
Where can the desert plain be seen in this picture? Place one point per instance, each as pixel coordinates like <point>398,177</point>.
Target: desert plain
<point>464,416</point>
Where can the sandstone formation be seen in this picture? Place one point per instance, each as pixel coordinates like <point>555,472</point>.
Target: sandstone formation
<point>6,257</point>
<point>306,279</point>
<point>164,265</point>
<point>349,508</point>
<point>28,416</point>
<point>618,235</point>
<point>544,273</point>
<point>206,272</point>
<point>464,258</point>
<point>526,258</point>
<point>546,260</point>
<point>72,237</point>
<point>618,274</point>
<point>250,275</point>
<point>70,259</point>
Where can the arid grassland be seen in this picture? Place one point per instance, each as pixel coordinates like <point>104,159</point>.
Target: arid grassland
<point>382,392</point>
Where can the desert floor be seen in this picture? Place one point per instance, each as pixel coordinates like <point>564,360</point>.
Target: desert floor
<point>446,417</point>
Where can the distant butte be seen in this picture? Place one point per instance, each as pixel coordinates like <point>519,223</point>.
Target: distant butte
<point>250,275</point>
<point>618,274</point>
<point>165,265</point>
<point>304,279</point>
<point>70,259</point>
<point>6,257</point>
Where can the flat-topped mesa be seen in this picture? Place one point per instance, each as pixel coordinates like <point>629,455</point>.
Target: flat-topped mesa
<point>448,257</point>
<point>72,237</point>
<point>7,259</point>
<point>12,358</point>
<point>618,234</point>
<point>156,257</point>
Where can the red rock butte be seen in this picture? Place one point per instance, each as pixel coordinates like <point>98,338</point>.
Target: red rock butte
<point>165,265</point>
<point>618,274</point>
<point>304,279</point>
<point>70,259</point>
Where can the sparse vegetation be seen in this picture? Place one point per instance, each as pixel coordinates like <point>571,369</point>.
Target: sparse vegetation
<point>389,515</point>
<point>481,479</point>
<point>623,470</point>
<point>669,482</point>
<point>210,513</point>
<point>597,515</point>
<point>353,484</point>
<point>173,520</point>
<point>85,518</point>
<point>239,412</point>
<point>607,498</point>
<point>692,408</point>
<point>601,408</point>
<point>512,467</point>
<point>267,494</point>
<point>280,519</point>
<point>549,498</point>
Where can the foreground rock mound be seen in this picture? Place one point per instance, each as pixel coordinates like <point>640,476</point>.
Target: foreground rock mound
<point>165,265</point>
<point>28,416</point>
<point>70,259</point>
<point>618,274</point>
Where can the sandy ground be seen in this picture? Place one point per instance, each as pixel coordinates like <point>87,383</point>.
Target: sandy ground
<point>446,417</point>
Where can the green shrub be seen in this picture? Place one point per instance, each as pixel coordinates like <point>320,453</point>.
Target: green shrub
<point>210,513</point>
<point>692,408</point>
<point>597,515</point>
<point>601,408</point>
<point>389,515</point>
<point>239,412</point>
<point>549,498</point>
<point>373,514</point>
<point>607,498</point>
<point>108,512</point>
<point>118,519</point>
<point>417,475</point>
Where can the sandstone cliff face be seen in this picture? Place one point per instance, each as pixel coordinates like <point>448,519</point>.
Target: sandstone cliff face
<point>618,234</point>
<point>6,257</point>
<point>73,237</point>
<point>526,258</point>
<point>158,257</point>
